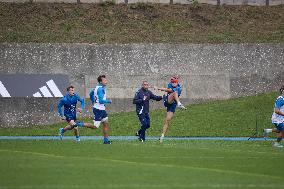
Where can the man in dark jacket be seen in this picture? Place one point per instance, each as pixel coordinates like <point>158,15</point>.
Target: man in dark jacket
<point>141,99</point>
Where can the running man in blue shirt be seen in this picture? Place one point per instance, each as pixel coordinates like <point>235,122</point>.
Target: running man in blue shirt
<point>141,99</point>
<point>69,101</point>
<point>278,119</point>
<point>99,99</point>
<point>171,102</point>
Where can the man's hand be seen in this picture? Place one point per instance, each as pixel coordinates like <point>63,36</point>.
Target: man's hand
<point>80,110</point>
<point>145,97</point>
<point>62,117</point>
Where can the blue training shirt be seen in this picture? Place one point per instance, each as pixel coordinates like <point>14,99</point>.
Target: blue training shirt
<point>279,104</point>
<point>69,102</point>
<point>98,97</point>
<point>177,89</point>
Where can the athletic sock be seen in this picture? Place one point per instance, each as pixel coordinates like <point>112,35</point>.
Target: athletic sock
<point>106,139</point>
<point>163,135</point>
<point>268,130</point>
<point>62,130</point>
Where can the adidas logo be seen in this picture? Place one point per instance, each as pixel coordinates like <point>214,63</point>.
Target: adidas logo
<point>44,90</point>
<point>3,91</point>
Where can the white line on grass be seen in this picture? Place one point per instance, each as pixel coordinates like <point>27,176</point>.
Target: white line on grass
<point>149,164</point>
<point>145,185</point>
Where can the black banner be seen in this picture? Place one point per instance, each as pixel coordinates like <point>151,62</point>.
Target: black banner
<point>33,85</point>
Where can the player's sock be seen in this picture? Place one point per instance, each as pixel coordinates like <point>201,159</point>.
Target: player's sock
<point>106,139</point>
<point>162,137</point>
<point>78,138</point>
<point>62,130</point>
<point>268,130</point>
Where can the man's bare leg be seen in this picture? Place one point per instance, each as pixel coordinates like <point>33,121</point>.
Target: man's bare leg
<point>168,119</point>
<point>174,96</point>
<point>105,132</point>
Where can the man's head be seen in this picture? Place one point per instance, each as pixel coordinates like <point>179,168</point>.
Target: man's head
<point>174,81</point>
<point>281,90</point>
<point>70,90</point>
<point>102,80</point>
<point>145,85</point>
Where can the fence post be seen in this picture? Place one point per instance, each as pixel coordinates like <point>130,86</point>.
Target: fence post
<point>267,2</point>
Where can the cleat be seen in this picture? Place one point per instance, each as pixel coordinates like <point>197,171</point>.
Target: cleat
<point>61,133</point>
<point>140,139</point>
<point>78,139</point>
<point>181,106</point>
<point>161,139</point>
<point>277,145</point>
<point>108,142</point>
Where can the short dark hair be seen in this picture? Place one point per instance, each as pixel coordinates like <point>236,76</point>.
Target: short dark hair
<point>281,89</point>
<point>100,78</point>
<point>69,87</point>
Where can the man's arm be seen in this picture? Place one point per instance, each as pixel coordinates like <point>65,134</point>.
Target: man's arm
<point>59,107</point>
<point>101,96</point>
<point>136,99</point>
<point>92,97</point>
<point>179,90</point>
<point>278,104</point>
<point>164,89</point>
<point>277,111</point>
<point>154,97</point>
<point>82,102</point>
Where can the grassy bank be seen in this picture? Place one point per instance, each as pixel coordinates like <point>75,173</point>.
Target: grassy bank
<point>140,23</point>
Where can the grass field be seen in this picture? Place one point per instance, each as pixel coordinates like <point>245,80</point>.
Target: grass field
<point>234,117</point>
<point>130,164</point>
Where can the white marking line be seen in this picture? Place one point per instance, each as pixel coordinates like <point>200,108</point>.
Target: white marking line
<point>151,164</point>
<point>44,90</point>
<point>145,185</point>
<point>3,91</point>
<point>37,94</point>
<point>54,89</point>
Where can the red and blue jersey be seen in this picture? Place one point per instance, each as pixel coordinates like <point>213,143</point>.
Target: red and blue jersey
<point>177,89</point>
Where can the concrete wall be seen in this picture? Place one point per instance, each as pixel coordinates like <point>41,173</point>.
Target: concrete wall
<point>207,71</point>
<point>212,2</point>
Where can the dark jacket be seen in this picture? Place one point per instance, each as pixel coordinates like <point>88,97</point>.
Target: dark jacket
<point>142,106</point>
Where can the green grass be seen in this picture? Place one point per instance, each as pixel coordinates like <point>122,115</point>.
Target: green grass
<point>234,117</point>
<point>140,23</point>
<point>130,164</point>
